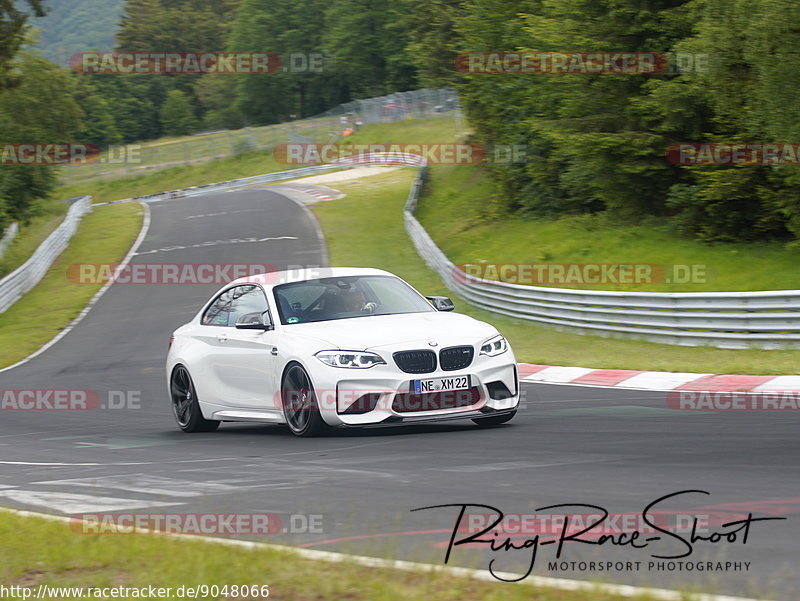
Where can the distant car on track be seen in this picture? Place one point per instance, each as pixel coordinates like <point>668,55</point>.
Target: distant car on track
<point>337,347</point>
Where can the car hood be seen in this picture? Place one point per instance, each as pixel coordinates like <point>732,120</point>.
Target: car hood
<point>395,331</point>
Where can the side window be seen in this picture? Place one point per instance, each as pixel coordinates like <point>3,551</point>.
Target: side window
<point>232,304</point>
<point>247,299</point>
<point>217,313</point>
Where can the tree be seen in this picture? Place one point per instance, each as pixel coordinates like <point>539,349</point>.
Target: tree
<point>176,114</point>
<point>286,29</point>
<point>435,40</point>
<point>217,97</point>
<point>133,101</point>
<point>746,95</point>
<point>13,25</point>
<point>27,116</point>
<point>591,150</point>
<point>367,45</point>
<point>99,127</point>
<point>197,26</point>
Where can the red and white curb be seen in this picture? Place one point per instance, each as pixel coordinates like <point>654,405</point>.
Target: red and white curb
<point>318,192</point>
<point>655,380</point>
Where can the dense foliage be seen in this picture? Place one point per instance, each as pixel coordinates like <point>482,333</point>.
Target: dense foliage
<point>596,142</point>
<point>72,26</point>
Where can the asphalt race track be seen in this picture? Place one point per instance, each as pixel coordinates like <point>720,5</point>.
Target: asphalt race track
<point>616,449</point>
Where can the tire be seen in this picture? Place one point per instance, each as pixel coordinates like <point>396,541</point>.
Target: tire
<point>495,420</point>
<point>300,406</point>
<point>185,407</point>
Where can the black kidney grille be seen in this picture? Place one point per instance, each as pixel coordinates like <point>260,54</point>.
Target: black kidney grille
<point>416,362</point>
<point>456,357</point>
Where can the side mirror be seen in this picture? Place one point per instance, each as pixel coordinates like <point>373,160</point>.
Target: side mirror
<point>441,303</point>
<point>255,321</point>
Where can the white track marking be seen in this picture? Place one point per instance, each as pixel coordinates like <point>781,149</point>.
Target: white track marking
<point>563,584</point>
<point>56,464</point>
<point>96,297</point>
<point>152,485</point>
<point>514,465</point>
<point>221,213</point>
<point>74,503</point>
<point>215,243</point>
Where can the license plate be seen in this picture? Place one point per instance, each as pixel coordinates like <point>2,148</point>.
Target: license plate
<point>441,384</point>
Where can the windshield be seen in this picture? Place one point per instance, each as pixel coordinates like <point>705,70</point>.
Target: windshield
<point>345,297</point>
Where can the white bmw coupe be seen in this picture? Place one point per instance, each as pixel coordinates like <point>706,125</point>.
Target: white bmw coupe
<point>327,348</point>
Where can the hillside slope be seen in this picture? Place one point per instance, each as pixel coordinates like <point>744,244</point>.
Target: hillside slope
<point>76,26</point>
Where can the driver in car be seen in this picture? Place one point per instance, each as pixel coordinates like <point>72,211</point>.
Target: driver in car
<point>355,300</point>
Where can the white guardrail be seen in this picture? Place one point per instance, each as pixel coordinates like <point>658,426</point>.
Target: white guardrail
<point>27,275</point>
<point>8,237</point>
<point>722,319</point>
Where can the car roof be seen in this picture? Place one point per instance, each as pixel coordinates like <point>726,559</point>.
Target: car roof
<point>275,278</point>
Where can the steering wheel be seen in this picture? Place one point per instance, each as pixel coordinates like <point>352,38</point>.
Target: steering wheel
<point>313,305</point>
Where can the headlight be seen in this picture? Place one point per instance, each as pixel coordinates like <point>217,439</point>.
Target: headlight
<point>494,346</point>
<point>353,359</point>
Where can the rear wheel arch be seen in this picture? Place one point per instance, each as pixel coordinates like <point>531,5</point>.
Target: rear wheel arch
<point>184,401</point>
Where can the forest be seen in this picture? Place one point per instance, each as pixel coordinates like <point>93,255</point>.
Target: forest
<point>597,142</point>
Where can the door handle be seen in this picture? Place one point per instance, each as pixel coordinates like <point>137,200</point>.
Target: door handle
<point>222,338</point>
<point>274,350</point>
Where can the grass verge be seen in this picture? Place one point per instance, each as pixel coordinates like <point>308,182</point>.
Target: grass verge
<point>251,163</point>
<point>365,228</point>
<point>38,552</point>
<point>104,236</point>
<point>469,227</point>
<point>173,178</point>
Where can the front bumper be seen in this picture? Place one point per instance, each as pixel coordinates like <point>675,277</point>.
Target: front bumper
<point>423,419</point>
<point>383,395</point>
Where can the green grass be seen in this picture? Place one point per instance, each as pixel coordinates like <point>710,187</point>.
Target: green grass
<point>434,130</point>
<point>249,163</point>
<point>104,236</point>
<point>375,204</point>
<point>41,552</point>
<point>168,152</point>
<point>457,212</point>
<point>173,178</point>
